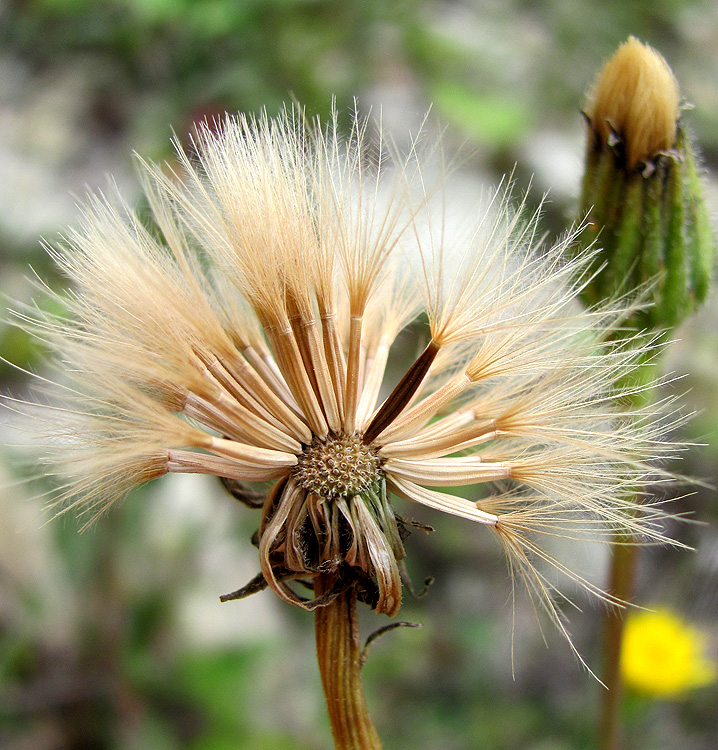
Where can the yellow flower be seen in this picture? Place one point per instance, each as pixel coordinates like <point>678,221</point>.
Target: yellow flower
<point>663,656</point>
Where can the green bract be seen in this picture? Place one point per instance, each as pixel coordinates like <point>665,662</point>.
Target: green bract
<point>652,224</point>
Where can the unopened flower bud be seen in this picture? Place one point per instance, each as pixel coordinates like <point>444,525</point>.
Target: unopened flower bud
<point>642,189</point>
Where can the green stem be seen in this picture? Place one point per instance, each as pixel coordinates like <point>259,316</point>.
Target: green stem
<point>623,564</point>
<point>620,585</point>
<point>339,657</point>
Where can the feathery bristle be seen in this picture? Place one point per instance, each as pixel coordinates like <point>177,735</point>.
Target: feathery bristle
<point>248,338</point>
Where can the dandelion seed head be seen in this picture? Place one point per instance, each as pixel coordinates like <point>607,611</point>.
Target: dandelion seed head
<point>247,334</point>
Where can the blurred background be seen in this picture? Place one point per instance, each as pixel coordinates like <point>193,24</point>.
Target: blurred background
<point>115,638</point>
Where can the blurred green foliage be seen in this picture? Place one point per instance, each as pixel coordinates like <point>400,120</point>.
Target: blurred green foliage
<point>202,57</point>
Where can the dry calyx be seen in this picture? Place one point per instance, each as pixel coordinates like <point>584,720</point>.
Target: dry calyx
<point>332,515</point>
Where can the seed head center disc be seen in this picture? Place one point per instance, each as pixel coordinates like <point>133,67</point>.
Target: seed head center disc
<point>338,466</point>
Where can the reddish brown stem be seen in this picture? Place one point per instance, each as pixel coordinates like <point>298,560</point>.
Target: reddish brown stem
<point>338,654</point>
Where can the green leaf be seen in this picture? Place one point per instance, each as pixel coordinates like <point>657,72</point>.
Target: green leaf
<point>487,118</point>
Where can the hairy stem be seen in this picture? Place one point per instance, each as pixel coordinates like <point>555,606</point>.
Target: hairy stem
<point>339,657</point>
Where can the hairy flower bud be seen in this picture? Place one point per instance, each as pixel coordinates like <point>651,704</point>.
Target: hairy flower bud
<point>635,100</point>
<point>642,189</point>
